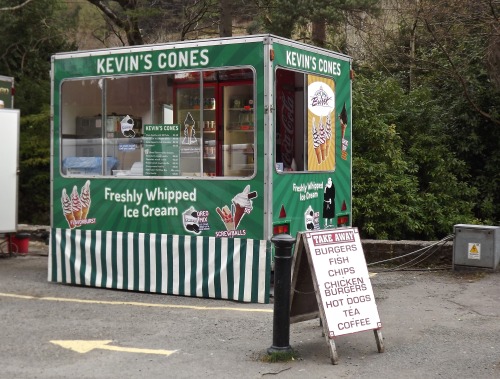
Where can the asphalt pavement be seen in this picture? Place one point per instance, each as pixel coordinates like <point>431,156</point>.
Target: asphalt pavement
<point>436,324</point>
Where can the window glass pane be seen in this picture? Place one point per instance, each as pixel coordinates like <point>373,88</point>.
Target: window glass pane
<point>195,124</point>
<point>81,127</point>
<point>216,114</point>
<point>291,130</point>
<point>128,107</point>
<point>189,115</point>
<point>163,99</point>
<point>238,118</point>
<point>208,126</point>
<point>305,122</point>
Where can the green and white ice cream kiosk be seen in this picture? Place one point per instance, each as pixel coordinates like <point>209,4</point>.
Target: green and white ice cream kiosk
<point>173,165</point>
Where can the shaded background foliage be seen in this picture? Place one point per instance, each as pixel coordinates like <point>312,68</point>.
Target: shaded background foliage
<point>426,114</point>
<point>30,35</point>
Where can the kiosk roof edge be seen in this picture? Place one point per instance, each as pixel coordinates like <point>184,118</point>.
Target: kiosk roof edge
<point>269,38</point>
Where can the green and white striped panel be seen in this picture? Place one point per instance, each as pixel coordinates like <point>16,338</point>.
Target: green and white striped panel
<point>221,268</point>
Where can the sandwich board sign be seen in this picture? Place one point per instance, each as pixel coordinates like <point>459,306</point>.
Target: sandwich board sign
<point>330,280</point>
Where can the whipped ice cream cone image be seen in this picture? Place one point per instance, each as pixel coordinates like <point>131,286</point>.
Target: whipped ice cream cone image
<point>317,149</point>
<point>85,199</point>
<point>239,212</point>
<point>322,140</point>
<point>242,203</point>
<point>67,209</point>
<point>189,130</point>
<point>226,217</point>
<point>328,133</point>
<point>343,121</point>
<point>76,205</point>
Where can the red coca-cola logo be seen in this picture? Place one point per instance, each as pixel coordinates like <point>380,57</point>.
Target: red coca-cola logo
<point>287,131</point>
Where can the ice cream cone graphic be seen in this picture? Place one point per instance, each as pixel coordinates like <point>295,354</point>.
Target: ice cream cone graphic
<point>322,140</point>
<point>189,130</point>
<point>239,211</point>
<point>85,199</point>
<point>328,133</point>
<point>226,217</point>
<point>67,209</point>
<point>317,149</point>
<point>76,205</point>
<point>242,204</point>
<point>343,121</point>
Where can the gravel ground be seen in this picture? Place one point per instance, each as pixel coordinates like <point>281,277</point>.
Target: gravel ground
<point>436,324</point>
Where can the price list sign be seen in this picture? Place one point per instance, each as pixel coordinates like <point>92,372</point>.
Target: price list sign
<point>343,281</point>
<point>161,150</point>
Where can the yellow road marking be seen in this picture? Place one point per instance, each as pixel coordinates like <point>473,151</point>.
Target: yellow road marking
<point>82,346</point>
<point>137,304</point>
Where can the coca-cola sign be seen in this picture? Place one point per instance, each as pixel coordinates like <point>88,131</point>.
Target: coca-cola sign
<point>285,102</point>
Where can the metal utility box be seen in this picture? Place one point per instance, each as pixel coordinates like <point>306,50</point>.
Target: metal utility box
<point>476,246</point>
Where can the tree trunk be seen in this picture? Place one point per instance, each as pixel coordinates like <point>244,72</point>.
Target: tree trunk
<point>226,19</point>
<point>319,33</point>
<point>129,25</point>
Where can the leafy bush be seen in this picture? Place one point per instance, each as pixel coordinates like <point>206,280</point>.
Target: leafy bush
<point>407,184</point>
<point>34,178</point>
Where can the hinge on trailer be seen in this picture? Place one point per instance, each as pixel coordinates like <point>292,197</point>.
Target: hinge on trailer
<point>268,109</point>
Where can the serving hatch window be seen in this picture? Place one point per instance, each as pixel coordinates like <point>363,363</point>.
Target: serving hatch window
<point>305,122</point>
<point>190,124</point>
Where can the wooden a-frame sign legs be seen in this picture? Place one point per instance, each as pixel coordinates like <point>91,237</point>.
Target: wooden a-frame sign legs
<point>330,281</point>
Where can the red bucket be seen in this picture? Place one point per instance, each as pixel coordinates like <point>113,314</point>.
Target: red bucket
<point>22,241</point>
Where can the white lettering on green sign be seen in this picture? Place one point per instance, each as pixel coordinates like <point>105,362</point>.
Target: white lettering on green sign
<point>161,128</point>
<point>307,191</point>
<point>143,62</point>
<point>156,194</point>
<point>308,62</point>
<point>134,207</point>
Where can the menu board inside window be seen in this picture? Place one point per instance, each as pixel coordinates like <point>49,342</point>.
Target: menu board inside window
<point>161,149</point>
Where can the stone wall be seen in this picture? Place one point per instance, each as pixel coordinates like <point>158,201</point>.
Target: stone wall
<point>375,250</point>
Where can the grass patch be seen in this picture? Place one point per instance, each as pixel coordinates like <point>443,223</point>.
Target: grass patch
<point>280,356</point>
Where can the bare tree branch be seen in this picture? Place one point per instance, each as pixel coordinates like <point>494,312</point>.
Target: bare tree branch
<point>129,23</point>
<point>193,14</point>
<point>15,7</point>
<point>108,12</point>
<point>457,74</point>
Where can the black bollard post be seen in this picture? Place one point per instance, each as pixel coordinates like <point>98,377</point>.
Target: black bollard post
<point>282,280</point>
